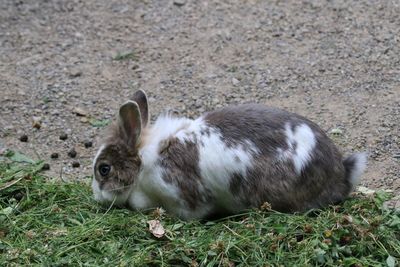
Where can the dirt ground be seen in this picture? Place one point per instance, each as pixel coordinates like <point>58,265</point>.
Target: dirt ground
<point>335,62</point>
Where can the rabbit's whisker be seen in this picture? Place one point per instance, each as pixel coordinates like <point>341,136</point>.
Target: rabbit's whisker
<point>119,188</point>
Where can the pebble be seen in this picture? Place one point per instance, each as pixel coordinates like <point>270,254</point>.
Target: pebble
<point>198,103</point>
<point>74,72</point>
<point>3,150</point>
<point>80,111</point>
<point>235,81</point>
<point>23,138</point>
<point>336,131</point>
<point>46,167</point>
<point>88,144</point>
<point>76,164</point>
<point>72,153</point>
<point>179,2</point>
<point>63,136</point>
<point>54,155</point>
<point>36,123</point>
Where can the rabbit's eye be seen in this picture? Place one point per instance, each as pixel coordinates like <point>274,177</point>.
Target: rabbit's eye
<point>104,169</point>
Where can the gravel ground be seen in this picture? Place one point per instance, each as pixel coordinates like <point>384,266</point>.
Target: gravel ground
<point>66,66</point>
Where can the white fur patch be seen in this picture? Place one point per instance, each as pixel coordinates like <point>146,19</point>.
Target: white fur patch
<point>301,143</point>
<point>150,188</point>
<point>218,163</point>
<point>98,154</point>
<point>96,190</point>
<point>164,128</point>
<point>106,197</point>
<point>358,169</point>
<point>95,185</point>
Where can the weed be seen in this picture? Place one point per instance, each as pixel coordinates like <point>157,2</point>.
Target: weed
<point>99,123</point>
<point>125,56</point>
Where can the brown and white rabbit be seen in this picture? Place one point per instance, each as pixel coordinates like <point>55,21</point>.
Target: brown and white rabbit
<point>224,162</point>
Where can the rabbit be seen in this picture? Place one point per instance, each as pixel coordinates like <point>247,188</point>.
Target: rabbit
<point>223,162</point>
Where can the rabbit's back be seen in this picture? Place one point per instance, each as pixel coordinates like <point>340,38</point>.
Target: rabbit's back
<point>297,166</point>
<point>239,157</point>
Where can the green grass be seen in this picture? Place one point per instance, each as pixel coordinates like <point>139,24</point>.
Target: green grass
<point>51,223</point>
<point>99,123</point>
<point>125,55</point>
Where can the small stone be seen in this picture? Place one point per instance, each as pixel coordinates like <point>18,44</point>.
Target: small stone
<point>23,138</point>
<point>76,164</point>
<point>75,72</point>
<point>72,153</point>
<point>365,190</point>
<point>3,151</point>
<point>179,2</point>
<point>63,136</point>
<point>54,155</point>
<point>46,167</point>
<point>36,123</point>
<point>88,144</point>
<point>235,81</point>
<point>336,131</point>
<point>80,111</point>
<point>198,103</point>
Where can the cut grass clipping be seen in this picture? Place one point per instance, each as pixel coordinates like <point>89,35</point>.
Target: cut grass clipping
<point>51,223</point>
<point>125,55</point>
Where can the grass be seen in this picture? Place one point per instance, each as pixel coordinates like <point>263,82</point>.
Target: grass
<point>99,123</point>
<point>125,55</point>
<point>53,223</point>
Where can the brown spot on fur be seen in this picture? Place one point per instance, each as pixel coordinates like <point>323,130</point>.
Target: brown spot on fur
<point>180,162</point>
<point>261,125</point>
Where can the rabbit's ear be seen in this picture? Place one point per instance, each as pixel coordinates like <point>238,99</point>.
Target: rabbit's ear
<point>140,98</point>
<point>130,123</point>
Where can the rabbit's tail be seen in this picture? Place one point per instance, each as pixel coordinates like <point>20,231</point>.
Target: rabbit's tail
<point>355,166</point>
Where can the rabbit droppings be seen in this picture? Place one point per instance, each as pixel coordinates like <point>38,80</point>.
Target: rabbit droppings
<point>224,162</point>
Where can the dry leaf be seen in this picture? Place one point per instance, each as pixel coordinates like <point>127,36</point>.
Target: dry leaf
<point>347,219</point>
<point>156,228</point>
<point>57,232</point>
<point>365,190</point>
<point>266,206</point>
<point>158,212</point>
<point>10,183</point>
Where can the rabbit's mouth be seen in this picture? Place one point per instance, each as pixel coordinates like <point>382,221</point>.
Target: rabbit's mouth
<point>110,193</point>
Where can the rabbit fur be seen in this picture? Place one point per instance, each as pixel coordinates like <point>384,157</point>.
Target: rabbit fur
<point>223,162</point>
